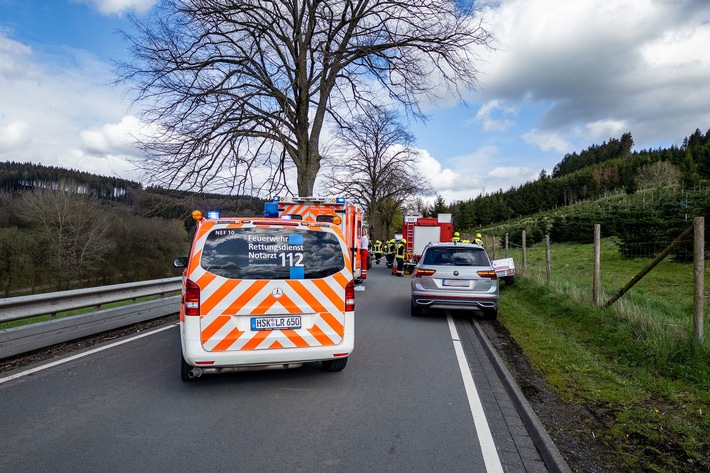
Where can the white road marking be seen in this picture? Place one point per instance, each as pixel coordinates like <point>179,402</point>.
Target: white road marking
<point>81,355</point>
<point>488,447</point>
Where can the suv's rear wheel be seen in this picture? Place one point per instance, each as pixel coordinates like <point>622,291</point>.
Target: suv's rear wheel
<point>335,365</point>
<point>490,314</point>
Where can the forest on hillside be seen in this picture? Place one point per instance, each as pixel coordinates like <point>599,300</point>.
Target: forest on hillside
<point>62,229</point>
<point>599,171</point>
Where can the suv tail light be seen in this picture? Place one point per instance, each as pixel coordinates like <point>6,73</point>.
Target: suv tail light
<point>488,274</point>
<point>192,298</point>
<point>423,272</point>
<point>350,296</point>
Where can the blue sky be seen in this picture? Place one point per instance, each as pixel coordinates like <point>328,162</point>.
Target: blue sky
<point>564,75</point>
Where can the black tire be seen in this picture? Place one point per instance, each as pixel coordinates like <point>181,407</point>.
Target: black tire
<point>509,280</point>
<point>185,370</point>
<point>490,314</point>
<point>335,365</point>
<point>415,310</point>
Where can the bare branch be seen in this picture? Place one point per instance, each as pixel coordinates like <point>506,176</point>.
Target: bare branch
<point>377,166</point>
<point>216,79</point>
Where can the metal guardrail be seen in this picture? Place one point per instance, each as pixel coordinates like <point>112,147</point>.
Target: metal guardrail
<point>18,340</point>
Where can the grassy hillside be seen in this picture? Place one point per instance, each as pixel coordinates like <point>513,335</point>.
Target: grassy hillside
<point>636,365</point>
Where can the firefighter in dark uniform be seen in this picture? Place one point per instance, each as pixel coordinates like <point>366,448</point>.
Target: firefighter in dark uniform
<point>377,248</point>
<point>389,252</point>
<point>400,257</point>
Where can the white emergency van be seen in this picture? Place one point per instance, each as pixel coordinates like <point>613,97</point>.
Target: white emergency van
<point>264,293</point>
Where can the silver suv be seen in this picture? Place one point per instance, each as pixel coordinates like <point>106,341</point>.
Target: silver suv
<point>455,276</point>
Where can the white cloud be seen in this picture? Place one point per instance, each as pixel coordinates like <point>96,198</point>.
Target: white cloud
<point>601,130</point>
<point>117,138</point>
<point>119,7</point>
<point>509,172</point>
<point>683,47</point>
<point>57,110</point>
<point>473,174</point>
<point>547,141</point>
<point>642,64</point>
<point>13,135</point>
<point>495,116</point>
<point>12,56</point>
<point>440,178</point>
<point>112,165</point>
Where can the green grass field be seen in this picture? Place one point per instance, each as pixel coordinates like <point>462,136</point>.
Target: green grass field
<point>636,364</point>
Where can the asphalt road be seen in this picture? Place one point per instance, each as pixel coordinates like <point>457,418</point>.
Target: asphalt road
<point>403,404</point>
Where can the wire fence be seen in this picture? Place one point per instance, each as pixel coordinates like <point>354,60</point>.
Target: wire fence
<point>683,252</point>
<point>603,271</point>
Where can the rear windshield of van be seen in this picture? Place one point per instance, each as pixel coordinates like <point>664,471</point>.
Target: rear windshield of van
<point>452,256</point>
<point>272,253</point>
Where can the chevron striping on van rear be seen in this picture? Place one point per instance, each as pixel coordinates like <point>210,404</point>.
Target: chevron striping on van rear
<point>229,307</point>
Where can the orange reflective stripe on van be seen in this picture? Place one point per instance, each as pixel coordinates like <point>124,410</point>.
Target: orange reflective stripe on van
<point>227,306</point>
<point>226,325</point>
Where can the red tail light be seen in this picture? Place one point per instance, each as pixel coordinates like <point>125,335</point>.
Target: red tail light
<point>350,296</point>
<point>423,272</point>
<point>192,298</point>
<point>488,274</point>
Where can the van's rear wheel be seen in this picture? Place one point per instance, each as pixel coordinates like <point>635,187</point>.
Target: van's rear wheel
<point>335,365</point>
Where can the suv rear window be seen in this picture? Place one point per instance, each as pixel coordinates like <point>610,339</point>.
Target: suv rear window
<point>272,253</point>
<point>455,257</point>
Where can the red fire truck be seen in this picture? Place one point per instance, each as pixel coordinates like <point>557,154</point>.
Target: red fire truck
<point>336,210</point>
<point>420,231</point>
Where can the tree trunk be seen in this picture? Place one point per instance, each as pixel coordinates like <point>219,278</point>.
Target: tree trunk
<point>307,173</point>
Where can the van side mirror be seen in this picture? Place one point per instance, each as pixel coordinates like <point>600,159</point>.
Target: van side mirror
<point>180,262</point>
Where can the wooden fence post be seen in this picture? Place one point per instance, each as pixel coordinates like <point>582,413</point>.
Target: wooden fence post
<point>506,244</point>
<point>547,256</point>
<point>699,287</point>
<point>525,257</point>
<point>494,246</point>
<point>596,291</point>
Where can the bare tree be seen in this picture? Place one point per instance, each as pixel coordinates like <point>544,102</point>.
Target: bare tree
<point>389,210</point>
<point>74,228</point>
<point>658,175</point>
<point>377,166</point>
<point>238,93</point>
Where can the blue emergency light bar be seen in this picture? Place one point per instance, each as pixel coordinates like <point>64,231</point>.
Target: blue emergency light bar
<point>213,214</point>
<point>340,200</point>
<point>271,209</point>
